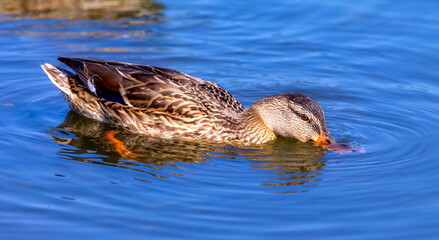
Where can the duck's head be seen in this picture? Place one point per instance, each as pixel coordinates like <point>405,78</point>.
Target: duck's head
<point>294,116</point>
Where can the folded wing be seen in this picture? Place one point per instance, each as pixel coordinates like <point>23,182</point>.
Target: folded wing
<point>153,88</point>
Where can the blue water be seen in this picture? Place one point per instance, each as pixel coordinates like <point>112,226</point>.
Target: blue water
<point>372,65</point>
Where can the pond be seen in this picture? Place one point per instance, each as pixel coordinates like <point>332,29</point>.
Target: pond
<point>372,66</point>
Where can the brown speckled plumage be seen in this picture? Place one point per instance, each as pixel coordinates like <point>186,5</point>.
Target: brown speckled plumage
<point>166,103</point>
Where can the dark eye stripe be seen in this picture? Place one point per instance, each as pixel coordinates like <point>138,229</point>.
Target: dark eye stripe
<point>299,115</point>
<point>314,125</point>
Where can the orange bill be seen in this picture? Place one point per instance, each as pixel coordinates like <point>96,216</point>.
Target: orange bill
<point>324,139</point>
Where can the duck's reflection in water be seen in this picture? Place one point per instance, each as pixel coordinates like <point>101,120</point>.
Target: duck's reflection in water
<point>288,162</point>
<point>81,9</point>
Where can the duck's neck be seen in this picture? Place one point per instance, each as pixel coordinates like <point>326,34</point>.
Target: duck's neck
<point>251,128</point>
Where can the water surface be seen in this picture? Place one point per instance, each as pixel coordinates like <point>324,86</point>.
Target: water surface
<point>372,65</point>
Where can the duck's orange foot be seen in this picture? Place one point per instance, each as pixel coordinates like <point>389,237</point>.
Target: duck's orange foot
<point>120,148</point>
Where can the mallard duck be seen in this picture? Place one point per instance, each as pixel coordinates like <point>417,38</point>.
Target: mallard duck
<point>165,103</point>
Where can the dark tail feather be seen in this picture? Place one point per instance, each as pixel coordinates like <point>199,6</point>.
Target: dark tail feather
<point>76,64</point>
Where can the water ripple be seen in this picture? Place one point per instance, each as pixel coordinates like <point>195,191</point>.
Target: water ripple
<point>370,64</point>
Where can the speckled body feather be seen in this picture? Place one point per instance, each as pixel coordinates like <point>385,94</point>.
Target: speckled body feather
<point>156,101</point>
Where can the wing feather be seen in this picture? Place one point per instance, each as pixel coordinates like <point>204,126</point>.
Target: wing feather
<point>159,89</point>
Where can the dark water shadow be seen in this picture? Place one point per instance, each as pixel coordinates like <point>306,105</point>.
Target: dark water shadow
<point>288,162</point>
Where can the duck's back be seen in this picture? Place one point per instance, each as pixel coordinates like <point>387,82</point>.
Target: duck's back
<point>158,89</point>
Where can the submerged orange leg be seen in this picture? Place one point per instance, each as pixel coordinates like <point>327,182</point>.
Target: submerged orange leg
<point>120,148</point>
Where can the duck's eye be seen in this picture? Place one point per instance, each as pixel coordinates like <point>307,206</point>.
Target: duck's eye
<point>304,117</point>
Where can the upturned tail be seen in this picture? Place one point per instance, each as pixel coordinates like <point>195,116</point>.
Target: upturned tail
<point>78,99</point>
<point>59,77</point>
